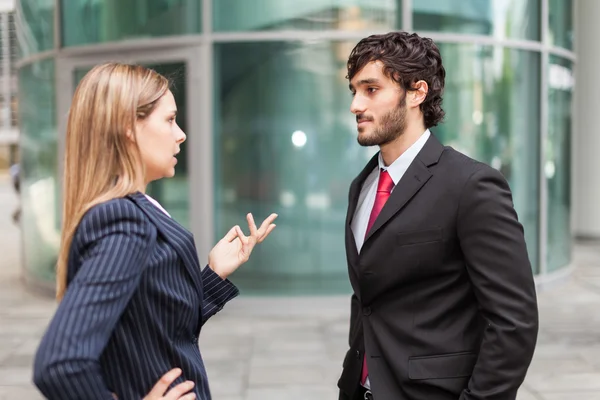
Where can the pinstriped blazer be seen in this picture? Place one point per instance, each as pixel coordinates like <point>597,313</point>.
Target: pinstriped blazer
<point>135,303</point>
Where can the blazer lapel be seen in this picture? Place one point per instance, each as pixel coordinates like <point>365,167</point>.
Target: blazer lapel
<point>411,182</point>
<point>176,235</point>
<point>355,188</point>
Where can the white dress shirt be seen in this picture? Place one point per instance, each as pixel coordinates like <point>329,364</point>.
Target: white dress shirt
<point>157,204</point>
<point>366,199</point>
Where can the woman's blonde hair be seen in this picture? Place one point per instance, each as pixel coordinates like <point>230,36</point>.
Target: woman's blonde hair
<point>101,161</point>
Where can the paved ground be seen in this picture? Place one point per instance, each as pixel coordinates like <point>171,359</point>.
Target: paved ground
<point>288,349</point>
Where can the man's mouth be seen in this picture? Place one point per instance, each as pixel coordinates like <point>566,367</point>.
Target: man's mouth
<point>362,119</point>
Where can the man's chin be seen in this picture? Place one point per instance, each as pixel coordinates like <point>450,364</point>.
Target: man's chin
<point>366,140</point>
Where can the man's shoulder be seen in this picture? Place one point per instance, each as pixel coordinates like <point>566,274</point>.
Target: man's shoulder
<point>456,162</point>
<point>460,169</point>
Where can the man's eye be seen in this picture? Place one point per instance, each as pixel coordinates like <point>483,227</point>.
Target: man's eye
<point>371,90</point>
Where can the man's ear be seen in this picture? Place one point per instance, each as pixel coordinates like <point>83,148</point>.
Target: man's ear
<point>417,96</point>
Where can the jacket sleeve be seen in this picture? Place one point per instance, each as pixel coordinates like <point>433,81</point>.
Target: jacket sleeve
<point>217,292</point>
<point>493,245</point>
<point>117,240</point>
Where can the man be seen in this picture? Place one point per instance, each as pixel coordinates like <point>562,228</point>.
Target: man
<point>444,304</point>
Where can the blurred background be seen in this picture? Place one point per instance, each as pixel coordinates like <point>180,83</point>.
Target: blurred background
<point>262,96</point>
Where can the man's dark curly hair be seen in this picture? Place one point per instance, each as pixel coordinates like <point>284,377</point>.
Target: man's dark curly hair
<point>407,58</point>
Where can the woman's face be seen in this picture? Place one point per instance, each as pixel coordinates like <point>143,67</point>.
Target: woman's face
<point>159,138</point>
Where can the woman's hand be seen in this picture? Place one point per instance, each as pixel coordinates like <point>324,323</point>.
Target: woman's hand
<point>177,393</point>
<point>235,248</point>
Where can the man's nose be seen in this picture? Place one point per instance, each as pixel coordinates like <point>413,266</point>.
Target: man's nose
<point>357,106</point>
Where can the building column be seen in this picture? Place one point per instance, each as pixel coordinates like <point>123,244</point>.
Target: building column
<point>586,122</point>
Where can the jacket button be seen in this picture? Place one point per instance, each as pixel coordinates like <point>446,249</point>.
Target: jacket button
<point>357,354</point>
<point>195,339</point>
<point>367,311</point>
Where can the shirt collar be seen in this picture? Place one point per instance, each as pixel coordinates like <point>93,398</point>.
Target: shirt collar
<point>401,164</point>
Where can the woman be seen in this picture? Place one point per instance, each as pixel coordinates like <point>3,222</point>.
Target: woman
<point>133,296</point>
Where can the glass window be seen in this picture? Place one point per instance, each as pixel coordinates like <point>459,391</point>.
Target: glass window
<point>492,114</point>
<point>557,168</point>
<point>35,21</point>
<point>171,193</point>
<point>264,15</point>
<point>39,181</point>
<point>517,19</point>
<point>285,142</point>
<point>560,23</point>
<point>99,21</point>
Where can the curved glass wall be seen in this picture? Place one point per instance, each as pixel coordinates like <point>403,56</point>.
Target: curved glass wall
<point>490,97</point>
<point>269,15</point>
<point>558,161</point>
<point>560,23</point>
<point>85,21</point>
<point>40,224</point>
<point>35,26</point>
<point>516,19</point>
<point>285,143</point>
<point>282,133</point>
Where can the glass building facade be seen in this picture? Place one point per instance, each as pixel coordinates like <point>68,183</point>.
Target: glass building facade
<point>263,98</point>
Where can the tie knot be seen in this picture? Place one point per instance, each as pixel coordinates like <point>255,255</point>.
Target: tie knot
<point>386,184</point>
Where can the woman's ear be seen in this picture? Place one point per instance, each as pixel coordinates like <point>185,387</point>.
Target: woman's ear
<point>130,133</point>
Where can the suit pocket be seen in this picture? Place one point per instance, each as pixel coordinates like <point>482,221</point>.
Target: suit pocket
<point>455,365</point>
<point>419,237</point>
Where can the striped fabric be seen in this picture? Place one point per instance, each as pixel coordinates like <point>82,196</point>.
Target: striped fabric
<point>136,301</point>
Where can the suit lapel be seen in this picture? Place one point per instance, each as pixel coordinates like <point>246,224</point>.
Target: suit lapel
<point>176,235</point>
<point>356,186</point>
<point>411,182</point>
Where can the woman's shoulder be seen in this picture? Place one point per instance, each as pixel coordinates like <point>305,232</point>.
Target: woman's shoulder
<point>115,214</point>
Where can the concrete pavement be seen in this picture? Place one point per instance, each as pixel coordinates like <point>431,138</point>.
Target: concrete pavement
<point>292,348</point>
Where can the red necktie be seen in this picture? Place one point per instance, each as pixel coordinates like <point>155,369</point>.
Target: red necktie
<point>384,189</point>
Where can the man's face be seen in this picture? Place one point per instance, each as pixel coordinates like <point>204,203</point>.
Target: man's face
<point>379,105</point>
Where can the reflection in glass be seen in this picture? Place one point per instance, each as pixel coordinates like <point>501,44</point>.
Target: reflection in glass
<point>40,225</point>
<point>492,114</point>
<point>263,15</point>
<point>285,142</point>
<point>518,19</point>
<point>35,22</point>
<point>560,23</point>
<point>557,169</point>
<point>85,21</point>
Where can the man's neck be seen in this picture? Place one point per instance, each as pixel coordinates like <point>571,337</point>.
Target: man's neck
<point>391,151</point>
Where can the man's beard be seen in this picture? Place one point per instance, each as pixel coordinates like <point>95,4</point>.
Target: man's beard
<point>391,126</point>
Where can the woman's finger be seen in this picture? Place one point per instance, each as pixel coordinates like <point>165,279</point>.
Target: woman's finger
<point>269,230</point>
<point>266,224</point>
<point>251,224</point>
<point>163,384</point>
<point>232,234</point>
<point>240,234</point>
<point>178,391</point>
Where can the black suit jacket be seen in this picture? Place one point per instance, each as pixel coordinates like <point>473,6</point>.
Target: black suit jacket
<point>134,306</point>
<point>444,298</point>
